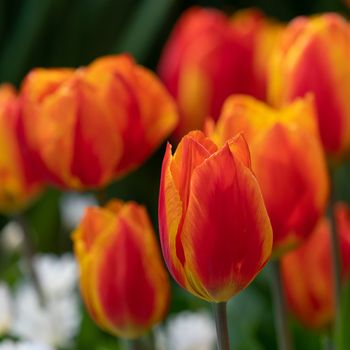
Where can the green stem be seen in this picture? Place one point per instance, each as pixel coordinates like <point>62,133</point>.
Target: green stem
<point>327,343</point>
<point>135,344</point>
<point>220,316</point>
<point>336,258</point>
<point>28,253</point>
<point>281,319</point>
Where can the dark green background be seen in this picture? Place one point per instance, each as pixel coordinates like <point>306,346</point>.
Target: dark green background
<point>74,32</point>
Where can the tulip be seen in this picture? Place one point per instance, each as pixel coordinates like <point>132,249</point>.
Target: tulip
<point>209,56</point>
<point>287,160</point>
<point>122,279</point>
<point>94,124</point>
<point>18,185</point>
<point>312,56</point>
<point>214,229</point>
<point>260,35</point>
<point>307,272</point>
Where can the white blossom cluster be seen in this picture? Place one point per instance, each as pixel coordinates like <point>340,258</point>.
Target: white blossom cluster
<point>23,345</point>
<point>52,322</point>
<point>187,331</point>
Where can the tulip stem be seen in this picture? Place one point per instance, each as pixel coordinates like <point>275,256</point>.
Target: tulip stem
<point>220,315</point>
<point>138,344</point>
<point>327,342</point>
<point>281,319</point>
<point>28,253</point>
<point>336,258</point>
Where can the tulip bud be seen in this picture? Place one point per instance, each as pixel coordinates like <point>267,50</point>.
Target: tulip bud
<point>307,272</point>
<point>89,126</point>
<point>18,184</point>
<point>122,279</point>
<point>214,229</point>
<point>209,57</point>
<point>312,56</point>
<point>287,160</point>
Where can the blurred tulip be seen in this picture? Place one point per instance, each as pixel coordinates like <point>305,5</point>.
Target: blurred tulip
<point>260,35</point>
<point>141,109</point>
<point>208,57</point>
<point>122,278</point>
<point>214,229</point>
<point>307,272</point>
<point>287,160</point>
<point>89,126</point>
<point>313,56</point>
<point>18,184</point>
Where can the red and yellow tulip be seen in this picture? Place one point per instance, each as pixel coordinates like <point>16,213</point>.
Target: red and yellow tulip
<point>307,272</point>
<point>122,279</point>
<point>214,229</point>
<point>287,160</point>
<point>260,34</point>
<point>209,57</point>
<point>312,56</point>
<point>18,184</point>
<point>91,125</point>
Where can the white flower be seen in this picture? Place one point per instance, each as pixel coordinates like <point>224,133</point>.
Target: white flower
<point>57,321</point>
<point>187,331</point>
<point>57,275</point>
<point>72,207</point>
<point>11,345</point>
<point>5,309</point>
<point>12,236</point>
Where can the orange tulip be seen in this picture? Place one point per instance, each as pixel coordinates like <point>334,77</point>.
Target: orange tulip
<point>208,57</point>
<point>307,272</point>
<point>287,160</point>
<point>18,185</point>
<point>122,279</point>
<point>214,229</point>
<point>89,126</point>
<point>313,56</point>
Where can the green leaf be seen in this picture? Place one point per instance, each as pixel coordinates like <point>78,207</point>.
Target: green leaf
<point>29,24</point>
<point>144,26</point>
<point>342,336</point>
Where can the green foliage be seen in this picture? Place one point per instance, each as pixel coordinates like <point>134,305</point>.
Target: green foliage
<point>343,334</point>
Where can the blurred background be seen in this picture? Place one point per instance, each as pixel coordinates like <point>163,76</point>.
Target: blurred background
<point>49,33</point>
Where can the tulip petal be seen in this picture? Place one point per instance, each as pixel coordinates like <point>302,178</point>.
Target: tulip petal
<point>94,224</point>
<point>307,276</point>
<point>295,187</point>
<point>169,217</point>
<point>93,161</point>
<point>246,115</point>
<point>287,159</point>
<point>174,195</point>
<point>19,184</point>
<point>123,283</point>
<point>119,283</point>
<point>232,251</point>
<point>303,63</point>
<point>239,147</point>
<point>146,112</point>
<point>342,214</point>
<point>191,152</point>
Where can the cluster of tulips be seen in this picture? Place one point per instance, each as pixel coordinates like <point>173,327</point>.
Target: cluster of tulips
<point>261,114</point>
